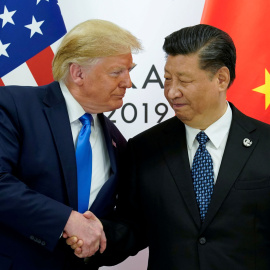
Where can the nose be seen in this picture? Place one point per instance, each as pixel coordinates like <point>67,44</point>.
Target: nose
<point>126,82</point>
<point>173,92</point>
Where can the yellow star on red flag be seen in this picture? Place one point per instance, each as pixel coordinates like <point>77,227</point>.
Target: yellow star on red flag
<point>265,89</point>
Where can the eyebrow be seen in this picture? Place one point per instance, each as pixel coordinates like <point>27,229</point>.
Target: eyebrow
<point>123,67</point>
<point>182,74</point>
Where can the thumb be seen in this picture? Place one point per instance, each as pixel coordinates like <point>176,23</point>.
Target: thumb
<point>89,215</point>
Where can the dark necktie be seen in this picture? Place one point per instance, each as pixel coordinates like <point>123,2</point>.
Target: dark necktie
<point>84,163</point>
<point>203,174</point>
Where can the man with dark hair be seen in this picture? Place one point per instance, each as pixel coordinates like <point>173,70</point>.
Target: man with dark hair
<point>198,188</point>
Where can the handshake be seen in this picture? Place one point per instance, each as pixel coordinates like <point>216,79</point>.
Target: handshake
<point>84,233</point>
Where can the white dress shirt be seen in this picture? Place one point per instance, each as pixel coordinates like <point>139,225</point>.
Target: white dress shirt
<point>100,157</point>
<point>217,133</point>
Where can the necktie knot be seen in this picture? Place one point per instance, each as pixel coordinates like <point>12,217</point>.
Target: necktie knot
<point>86,119</point>
<point>202,138</point>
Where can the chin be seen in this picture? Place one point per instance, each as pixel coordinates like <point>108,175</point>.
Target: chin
<point>118,105</point>
<point>183,118</point>
<point>114,107</point>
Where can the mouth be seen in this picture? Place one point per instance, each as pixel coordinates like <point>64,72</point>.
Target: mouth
<point>120,95</point>
<point>178,105</point>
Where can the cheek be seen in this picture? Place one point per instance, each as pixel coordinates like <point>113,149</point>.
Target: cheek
<point>204,101</point>
<point>113,85</point>
<point>211,96</point>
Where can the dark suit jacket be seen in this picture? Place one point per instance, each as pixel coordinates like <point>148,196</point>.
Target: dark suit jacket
<point>38,182</point>
<point>160,201</point>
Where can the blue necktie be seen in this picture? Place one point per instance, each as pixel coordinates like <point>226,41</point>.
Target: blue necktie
<point>84,163</point>
<point>203,174</point>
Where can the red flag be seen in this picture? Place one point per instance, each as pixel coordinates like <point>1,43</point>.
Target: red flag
<point>247,22</point>
<point>41,66</point>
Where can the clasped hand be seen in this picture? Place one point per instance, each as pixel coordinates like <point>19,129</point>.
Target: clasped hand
<point>85,235</point>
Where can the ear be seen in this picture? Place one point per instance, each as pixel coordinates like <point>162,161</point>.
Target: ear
<point>76,73</point>
<point>223,76</point>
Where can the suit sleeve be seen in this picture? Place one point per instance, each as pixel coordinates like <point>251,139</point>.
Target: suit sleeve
<point>23,210</point>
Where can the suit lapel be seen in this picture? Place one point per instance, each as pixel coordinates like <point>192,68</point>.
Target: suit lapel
<point>234,159</point>
<point>109,187</point>
<point>56,113</point>
<point>110,142</point>
<point>174,148</point>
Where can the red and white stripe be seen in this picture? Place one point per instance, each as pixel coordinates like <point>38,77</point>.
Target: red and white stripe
<point>35,72</point>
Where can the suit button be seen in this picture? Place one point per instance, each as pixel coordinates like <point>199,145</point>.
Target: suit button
<point>202,240</point>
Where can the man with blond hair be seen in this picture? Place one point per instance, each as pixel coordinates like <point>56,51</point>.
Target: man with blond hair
<point>42,162</point>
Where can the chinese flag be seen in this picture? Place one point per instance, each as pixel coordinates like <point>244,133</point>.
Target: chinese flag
<point>248,23</point>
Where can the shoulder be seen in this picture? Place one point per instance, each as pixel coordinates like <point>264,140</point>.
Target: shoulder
<point>248,122</point>
<point>25,93</point>
<point>255,128</point>
<point>25,102</point>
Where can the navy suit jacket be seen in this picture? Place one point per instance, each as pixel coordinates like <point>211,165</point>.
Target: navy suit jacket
<point>158,197</point>
<point>38,182</point>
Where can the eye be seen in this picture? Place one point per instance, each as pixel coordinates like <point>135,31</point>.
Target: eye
<point>185,82</point>
<point>116,73</point>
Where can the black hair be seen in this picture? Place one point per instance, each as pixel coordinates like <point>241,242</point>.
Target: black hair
<point>214,47</point>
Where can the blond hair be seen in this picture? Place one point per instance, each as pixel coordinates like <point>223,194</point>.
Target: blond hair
<point>90,40</point>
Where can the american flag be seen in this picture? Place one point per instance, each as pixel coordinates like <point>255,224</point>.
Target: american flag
<point>27,29</point>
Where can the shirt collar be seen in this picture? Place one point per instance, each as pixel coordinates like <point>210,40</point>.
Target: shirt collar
<point>75,110</point>
<point>216,132</point>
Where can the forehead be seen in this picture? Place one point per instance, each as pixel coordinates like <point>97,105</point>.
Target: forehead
<point>123,60</point>
<point>182,63</point>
